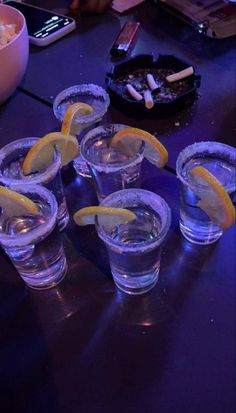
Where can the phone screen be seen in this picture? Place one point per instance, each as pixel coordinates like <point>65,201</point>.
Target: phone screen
<point>40,23</point>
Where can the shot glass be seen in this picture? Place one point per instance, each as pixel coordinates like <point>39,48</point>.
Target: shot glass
<point>92,95</point>
<point>220,160</point>
<point>111,168</point>
<point>134,248</point>
<point>33,242</point>
<point>11,159</point>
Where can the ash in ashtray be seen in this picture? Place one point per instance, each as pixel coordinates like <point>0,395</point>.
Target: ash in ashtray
<point>165,92</point>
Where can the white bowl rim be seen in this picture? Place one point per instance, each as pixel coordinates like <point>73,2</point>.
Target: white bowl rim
<point>22,28</point>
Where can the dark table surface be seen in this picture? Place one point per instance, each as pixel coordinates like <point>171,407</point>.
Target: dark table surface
<point>85,347</point>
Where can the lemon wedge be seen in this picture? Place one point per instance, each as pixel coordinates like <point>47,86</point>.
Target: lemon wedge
<point>15,204</point>
<point>128,138</point>
<point>108,216</point>
<point>71,116</point>
<point>41,154</point>
<point>214,199</point>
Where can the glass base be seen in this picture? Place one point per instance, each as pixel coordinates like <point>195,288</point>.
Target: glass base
<point>48,278</point>
<point>81,167</point>
<point>201,237</point>
<point>135,285</point>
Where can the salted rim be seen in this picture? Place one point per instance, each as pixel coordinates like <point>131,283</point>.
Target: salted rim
<point>104,167</point>
<point>35,234</point>
<point>39,178</point>
<point>198,148</point>
<point>83,89</point>
<point>153,201</point>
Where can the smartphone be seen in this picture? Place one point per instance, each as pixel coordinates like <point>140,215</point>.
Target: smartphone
<point>44,26</point>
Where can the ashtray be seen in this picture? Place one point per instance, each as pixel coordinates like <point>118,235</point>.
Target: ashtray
<point>167,98</point>
<point>92,94</point>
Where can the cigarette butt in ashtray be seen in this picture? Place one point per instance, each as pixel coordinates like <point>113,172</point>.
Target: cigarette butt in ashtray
<point>151,82</point>
<point>133,92</point>
<point>180,75</point>
<point>147,94</point>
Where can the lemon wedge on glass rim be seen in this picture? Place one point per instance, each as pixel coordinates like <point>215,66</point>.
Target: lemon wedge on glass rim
<point>214,199</point>
<point>41,154</point>
<point>16,204</point>
<point>108,216</point>
<point>72,115</point>
<point>128,138</point>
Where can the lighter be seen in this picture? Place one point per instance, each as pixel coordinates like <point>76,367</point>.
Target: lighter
<point>125,39</point>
